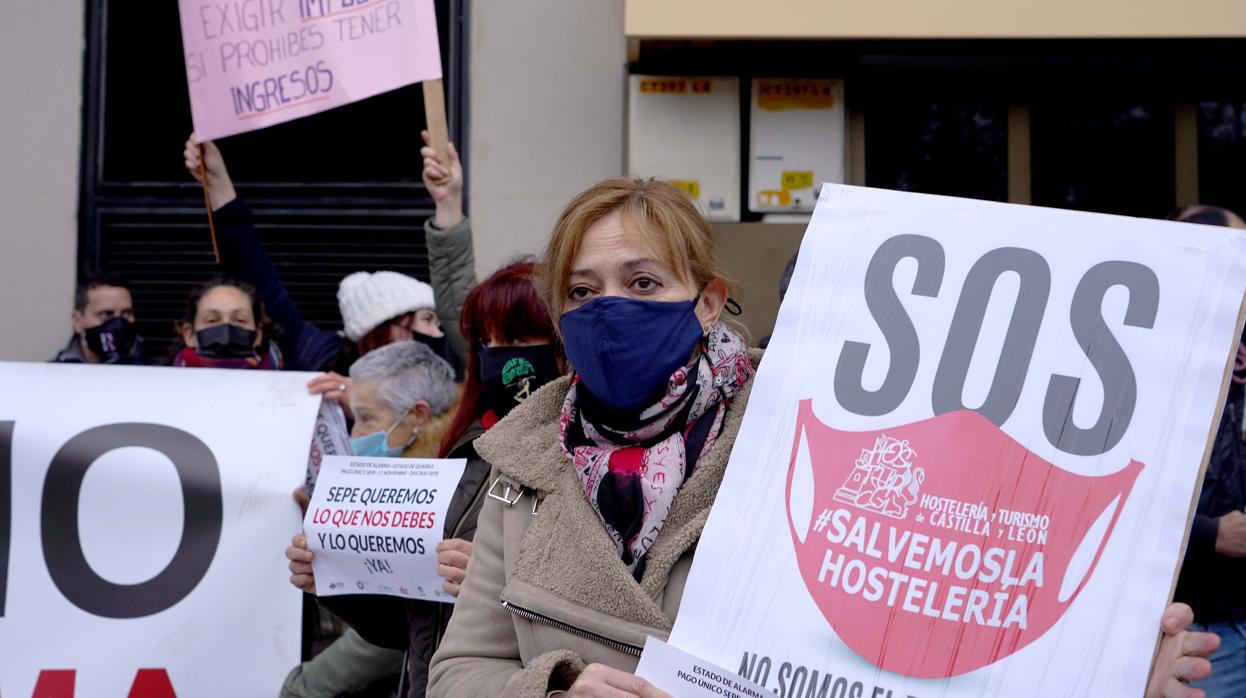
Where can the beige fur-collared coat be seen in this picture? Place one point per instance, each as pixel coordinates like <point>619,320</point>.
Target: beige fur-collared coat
<point>546,591</point>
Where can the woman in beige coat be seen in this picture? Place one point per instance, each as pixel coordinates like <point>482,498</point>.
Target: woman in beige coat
<point>581,552</point>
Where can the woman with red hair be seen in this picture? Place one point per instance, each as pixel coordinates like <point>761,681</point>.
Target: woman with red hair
<point>513,351</point>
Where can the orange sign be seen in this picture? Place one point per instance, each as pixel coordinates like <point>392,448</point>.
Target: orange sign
<point>796,94</point>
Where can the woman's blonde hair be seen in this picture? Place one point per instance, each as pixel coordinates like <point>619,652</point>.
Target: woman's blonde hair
<point>661,213</point>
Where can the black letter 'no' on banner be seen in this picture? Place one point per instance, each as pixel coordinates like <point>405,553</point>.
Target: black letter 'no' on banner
<point>200,479</point>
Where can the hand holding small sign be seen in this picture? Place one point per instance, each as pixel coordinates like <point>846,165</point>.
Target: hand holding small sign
<point>601,680</point>
<point>300,565</point>
<point>204,162</point>
<point>444,181</point>
<point>452,557</point>
<point>334,387</point>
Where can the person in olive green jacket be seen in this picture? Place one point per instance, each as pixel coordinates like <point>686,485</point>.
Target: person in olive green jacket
<point>448,235</point>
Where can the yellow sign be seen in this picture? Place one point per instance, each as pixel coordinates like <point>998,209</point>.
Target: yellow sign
<point>796,94</point>
<point>771,197</point>
<point>797,179</point>
<point>691,186</point>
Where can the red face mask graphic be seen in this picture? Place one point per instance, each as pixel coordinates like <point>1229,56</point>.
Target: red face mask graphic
<point>940,547</point>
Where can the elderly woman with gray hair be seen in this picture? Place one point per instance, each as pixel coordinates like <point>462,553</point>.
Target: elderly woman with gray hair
<point>403,397</point>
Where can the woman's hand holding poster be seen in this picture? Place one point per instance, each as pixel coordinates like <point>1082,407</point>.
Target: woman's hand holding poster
<point>968,461</point>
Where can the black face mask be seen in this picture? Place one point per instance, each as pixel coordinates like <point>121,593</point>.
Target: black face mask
<point>441,347</point>
<point>510,374</point>
<point>226,342</point>
<point>113,340</point>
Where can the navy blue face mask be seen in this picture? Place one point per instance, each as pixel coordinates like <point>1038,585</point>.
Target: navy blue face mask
<point>625,350</point>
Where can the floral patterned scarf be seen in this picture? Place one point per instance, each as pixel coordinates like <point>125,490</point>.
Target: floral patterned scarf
<point>631,464</point>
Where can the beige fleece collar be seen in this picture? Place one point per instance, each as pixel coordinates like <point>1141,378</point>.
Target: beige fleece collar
<point>568,536</point>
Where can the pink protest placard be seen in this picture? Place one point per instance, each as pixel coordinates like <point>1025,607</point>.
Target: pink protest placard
<point>255,63</point>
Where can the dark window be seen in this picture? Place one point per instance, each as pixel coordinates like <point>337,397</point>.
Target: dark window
<point>147,116</point>
<point>333,193</point>
<point>940,146</point>
<point>1222,154</point>
<point>1105,156</point>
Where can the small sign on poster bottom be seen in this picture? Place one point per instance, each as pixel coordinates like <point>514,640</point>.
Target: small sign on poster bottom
<point>684,676</point>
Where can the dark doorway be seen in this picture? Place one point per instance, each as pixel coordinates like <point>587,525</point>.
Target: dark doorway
<point>332,193</point>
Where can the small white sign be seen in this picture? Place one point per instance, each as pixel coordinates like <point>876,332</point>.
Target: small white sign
<point>685,676</point>
<point>374,525</point>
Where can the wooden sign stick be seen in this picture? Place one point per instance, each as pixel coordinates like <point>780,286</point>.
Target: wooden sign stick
<point>435,118</point>
<point>1225,382</point>
<point>207,202</point>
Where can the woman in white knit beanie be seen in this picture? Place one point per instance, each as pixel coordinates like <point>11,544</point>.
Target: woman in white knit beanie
<point>385,306</point>
<point>379,308</point>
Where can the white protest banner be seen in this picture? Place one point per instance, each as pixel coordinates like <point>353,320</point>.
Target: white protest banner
<point>684,676</point>
<point>374,525</point>
<point>149,509</point>
<point>255,63</point>
<point>969,456</point>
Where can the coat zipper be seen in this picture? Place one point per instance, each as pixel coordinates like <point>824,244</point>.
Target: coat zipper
<point>579,632</point>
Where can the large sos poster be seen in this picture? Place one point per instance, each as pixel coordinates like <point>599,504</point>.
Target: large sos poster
<point>969,457</point>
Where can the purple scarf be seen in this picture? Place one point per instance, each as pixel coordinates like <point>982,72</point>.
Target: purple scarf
<point>271,361</point>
